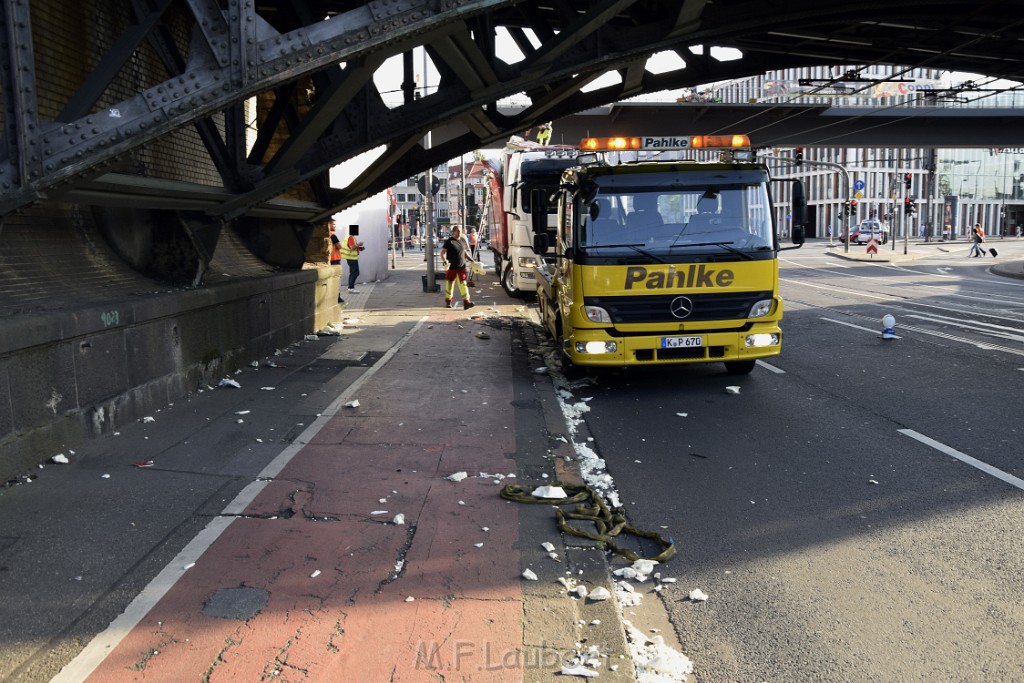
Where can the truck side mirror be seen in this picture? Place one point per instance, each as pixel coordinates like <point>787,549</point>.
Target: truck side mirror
<point>799,212</point>
<point>798,234</point>
<point>540,243</point>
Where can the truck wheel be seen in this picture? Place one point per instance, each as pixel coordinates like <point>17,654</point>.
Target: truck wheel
<point>570,370</point>
<point>739,367</point>
<point>508,283</point>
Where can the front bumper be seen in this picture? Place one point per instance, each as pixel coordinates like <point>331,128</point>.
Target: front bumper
<point>717,347</point>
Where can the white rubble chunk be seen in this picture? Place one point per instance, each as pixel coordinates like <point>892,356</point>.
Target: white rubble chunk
<point>581,591</point>
<point>149,418</point>
<point>600,593</point>
<point>458,476</point>
<point>697,595</point>
<point>529,575</point>
<point>548,546</point>
<point>579,670</point>
<point>733,390</point>
<point>654,660</point>
<point>60,459</point>
<point>354,403</point>
<point>410,599</point>
<point>228,382</point>
<point>549,492</point>
<point>399,519</point>
<point>315,574</point>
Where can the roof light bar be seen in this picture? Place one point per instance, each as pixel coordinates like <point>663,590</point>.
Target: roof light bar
<point>664,142</point>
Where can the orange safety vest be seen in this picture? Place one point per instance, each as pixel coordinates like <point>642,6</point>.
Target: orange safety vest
<point>336,251</point>
<point>472,240</point>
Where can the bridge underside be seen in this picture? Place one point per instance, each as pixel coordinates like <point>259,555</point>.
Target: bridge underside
<point>184,146</point>
<point>795,125</point>
<point>189,65</point>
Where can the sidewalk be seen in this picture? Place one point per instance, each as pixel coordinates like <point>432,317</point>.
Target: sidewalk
<point>316,538</point>
<point>1009,263</point>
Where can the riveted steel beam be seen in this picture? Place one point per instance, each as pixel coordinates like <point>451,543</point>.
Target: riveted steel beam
<point>240,49</point>
<point>20,114</point>
<point>259,58</point>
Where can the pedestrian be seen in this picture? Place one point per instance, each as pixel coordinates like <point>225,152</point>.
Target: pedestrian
<point>977,237</point>
<point>455,252</point>
<point>336,257</point>
<point>473,243</point>
<point>350,252</point>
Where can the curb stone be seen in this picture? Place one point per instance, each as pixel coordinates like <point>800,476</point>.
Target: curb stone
<point>585,562</point>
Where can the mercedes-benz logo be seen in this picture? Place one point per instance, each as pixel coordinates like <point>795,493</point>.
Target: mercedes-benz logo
<point>681,307</point>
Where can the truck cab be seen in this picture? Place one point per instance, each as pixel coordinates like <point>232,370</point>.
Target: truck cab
<point>664,262</point>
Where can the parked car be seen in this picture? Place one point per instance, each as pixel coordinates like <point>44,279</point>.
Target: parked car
<point>867,230</point>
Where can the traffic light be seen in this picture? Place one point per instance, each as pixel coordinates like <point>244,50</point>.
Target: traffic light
<point>798,156</point>
<point>909,207</point>
<point>853,207</point>
<point>908,180</point>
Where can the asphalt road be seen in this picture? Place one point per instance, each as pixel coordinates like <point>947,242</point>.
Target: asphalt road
<point>854,512</point>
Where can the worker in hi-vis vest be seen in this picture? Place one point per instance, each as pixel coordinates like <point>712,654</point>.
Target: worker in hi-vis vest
<point>336,256</point>
<point>350,252</point>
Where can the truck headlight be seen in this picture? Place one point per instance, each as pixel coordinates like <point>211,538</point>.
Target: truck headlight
<point>596,347</point>
<point>596,314</point>
<point>761,308</point>
<point>527,261</point>
<point>763,339</point>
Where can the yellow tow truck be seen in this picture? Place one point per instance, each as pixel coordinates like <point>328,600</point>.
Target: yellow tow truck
<point>660,259</point>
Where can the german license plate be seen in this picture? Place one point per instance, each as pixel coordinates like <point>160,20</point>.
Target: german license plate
<point>681,342</point>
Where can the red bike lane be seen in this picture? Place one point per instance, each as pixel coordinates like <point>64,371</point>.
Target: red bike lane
<point>315,581</point>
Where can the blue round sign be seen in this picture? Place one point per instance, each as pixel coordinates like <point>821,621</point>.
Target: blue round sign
<point>858,184</point>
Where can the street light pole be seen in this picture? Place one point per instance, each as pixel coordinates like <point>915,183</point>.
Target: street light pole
<point>428,198</point>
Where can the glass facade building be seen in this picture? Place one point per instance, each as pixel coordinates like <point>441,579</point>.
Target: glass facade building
<point>950,189</point>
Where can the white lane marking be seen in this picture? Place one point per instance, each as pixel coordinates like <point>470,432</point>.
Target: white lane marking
<point>942,335</point>
<point>767,366</point>
<point>1001,331</point>
<point>103,644</point>
<point>856,327</point>
<point>895,300</point>
<point>963,457</point>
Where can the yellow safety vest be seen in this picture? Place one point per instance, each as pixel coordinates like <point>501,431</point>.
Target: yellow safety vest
<point>349,252</point>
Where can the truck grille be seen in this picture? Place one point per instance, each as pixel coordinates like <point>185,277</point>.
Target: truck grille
<point>657,308</point>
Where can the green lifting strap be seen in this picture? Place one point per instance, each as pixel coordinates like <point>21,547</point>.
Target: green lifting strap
<point>591,507</point>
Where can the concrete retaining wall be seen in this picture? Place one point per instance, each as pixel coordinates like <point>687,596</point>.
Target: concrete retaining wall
<point>67,376</point>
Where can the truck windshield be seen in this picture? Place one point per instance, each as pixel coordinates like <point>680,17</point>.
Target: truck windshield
<point>675,218</point>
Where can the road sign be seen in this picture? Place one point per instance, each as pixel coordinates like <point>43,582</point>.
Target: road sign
<point>858,185</point>
<point>872,246</point>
